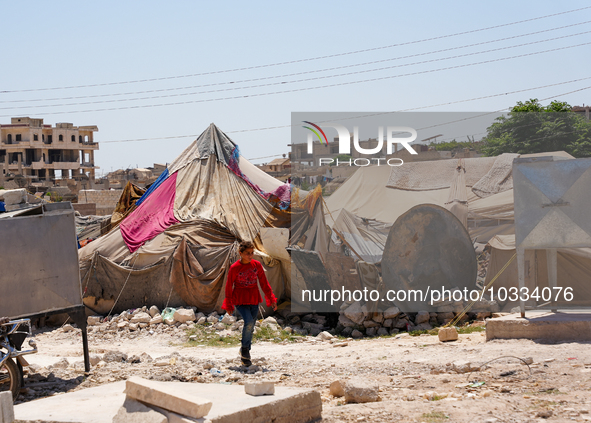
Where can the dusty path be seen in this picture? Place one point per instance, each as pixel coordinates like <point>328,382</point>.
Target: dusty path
<point>415,374</point>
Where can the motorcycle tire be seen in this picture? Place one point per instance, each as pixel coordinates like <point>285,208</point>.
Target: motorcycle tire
<point>10,378</point>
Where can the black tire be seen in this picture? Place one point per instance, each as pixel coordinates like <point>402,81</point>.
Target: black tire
<point>10,378</point>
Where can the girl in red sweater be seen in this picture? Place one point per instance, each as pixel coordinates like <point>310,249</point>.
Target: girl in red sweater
<point>242,292</point>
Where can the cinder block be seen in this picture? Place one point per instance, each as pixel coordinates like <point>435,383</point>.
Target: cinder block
<point>259,388</point>
<point>6,408</point>
<point>170,397</point>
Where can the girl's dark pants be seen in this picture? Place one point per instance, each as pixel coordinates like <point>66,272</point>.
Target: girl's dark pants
<point>249,314</point>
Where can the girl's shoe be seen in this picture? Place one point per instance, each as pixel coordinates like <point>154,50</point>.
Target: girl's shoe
<point>245,357</point>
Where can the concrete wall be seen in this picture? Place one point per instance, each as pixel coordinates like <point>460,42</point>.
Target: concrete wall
<point>85,209</point>
<point>105,200</point>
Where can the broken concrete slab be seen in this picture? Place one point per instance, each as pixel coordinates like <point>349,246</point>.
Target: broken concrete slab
<point>170,397</point>
<point>259,388</point>
<point>6,407</point>
<point>541,325</point>
<point>133,411</point>
<point>230,405</point>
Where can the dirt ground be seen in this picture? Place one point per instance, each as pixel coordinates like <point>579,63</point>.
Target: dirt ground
<point>417,379</point>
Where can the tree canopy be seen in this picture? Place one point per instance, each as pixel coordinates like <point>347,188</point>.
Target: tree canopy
<point>531,127</point>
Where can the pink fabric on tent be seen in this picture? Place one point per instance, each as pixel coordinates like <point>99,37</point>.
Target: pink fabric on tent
<point>152,217</point>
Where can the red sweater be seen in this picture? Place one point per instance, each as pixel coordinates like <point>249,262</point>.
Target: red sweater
<point>242,287</point>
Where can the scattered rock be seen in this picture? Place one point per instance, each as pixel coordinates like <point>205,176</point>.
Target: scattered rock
<point>324,336</point>
<point>154,311</point>
<point>448,334</point>
<point>228,319</point>
<point>114,356</point>
<point>360,390</point>
<point>184,315</point>
<point>355,313</point>
<point>141,317</point>
<point>61,364</point>
<point>391,313</point>
<point>356,334</point>
<point>93,320</point>
<point>336,389</point>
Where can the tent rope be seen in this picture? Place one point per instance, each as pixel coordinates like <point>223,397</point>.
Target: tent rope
<point>469,306</point>
<point>123,287</point>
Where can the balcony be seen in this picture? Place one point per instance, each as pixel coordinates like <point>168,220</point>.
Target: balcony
<point>87,164</point>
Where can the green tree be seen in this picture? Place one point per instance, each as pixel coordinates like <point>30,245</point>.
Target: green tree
<point>533,128</point>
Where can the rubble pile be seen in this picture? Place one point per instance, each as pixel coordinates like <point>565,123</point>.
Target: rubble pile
<point>353,321</point>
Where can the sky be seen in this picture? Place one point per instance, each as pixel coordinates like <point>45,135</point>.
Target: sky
<point>153,75</point>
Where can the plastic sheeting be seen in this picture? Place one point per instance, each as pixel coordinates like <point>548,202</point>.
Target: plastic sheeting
<point>152,217</point>
<point>366,237</point>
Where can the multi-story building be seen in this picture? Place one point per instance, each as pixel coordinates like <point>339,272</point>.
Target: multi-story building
<point>37,151</point>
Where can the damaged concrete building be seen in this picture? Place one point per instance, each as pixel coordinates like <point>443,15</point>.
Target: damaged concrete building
<point>38,151</point>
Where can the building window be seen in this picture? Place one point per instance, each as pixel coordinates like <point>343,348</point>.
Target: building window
<point>18,137</point>
<point>80,138</point>
<point>35,137</point>
<point>61,137</point>
<point>73,138</point>
<point>9,139</point>
<point>50,139</point>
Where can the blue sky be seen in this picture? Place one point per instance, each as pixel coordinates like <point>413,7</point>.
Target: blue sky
<point>64,44</point>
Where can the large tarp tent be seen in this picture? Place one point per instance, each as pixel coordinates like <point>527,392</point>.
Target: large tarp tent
<point>375,196</point>
<point>177,244</point>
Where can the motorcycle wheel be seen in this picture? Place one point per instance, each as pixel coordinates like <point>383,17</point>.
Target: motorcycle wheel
<point>10,379</point>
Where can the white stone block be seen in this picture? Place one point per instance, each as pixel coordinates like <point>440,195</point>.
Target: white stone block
<point>259,388</point>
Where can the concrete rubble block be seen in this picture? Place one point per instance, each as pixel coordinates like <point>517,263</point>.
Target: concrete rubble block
<point>259,388</point>
<point>336,389</point>
<point>356,334</point>
<point>355,313</point>
<point>94,359</point>
<point>156,319</point>
<point>324,336</point>
<point>370,324</point>
<point>167,396</point>
<point>382,332</point>
<point>422,317</point>
<point>133,411</point>
<point>346,322</point>
<point>448,334</point>
<point>270,320</point>
<point>359,390</point>
<point>228,319</point>
<point>93,320</point>
<point>422,326</point>
<point>391,313</point>
<point>141,317</point>
<point>15,196</point>
<point>114,356</point>
<point>6,407</point>
<point>184,315</point>
<point>153,311</point>
<point>378,317</point>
